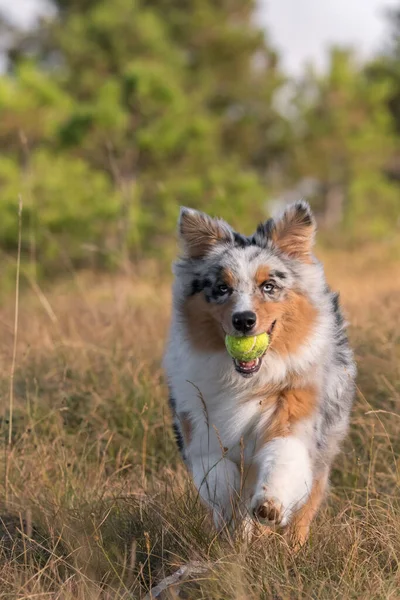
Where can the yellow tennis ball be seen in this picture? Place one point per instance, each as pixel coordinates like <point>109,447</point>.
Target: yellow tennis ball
<point>247,348</point>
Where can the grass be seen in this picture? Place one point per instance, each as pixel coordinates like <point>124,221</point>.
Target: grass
<point>99,504</point>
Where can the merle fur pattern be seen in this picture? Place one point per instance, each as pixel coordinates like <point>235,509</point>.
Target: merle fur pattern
<point>208,389</point>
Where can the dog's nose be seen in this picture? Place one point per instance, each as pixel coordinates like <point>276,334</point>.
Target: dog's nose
<point>244,321</point>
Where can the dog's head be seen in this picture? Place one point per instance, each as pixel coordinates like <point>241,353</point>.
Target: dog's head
<point>237,285</point>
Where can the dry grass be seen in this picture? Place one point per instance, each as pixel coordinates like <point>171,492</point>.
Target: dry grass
<point>99,504</point>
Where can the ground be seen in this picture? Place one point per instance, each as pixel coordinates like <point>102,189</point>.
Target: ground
<point>95,502</point>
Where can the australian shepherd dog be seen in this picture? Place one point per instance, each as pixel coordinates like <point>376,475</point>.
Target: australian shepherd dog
<point>259,437</point>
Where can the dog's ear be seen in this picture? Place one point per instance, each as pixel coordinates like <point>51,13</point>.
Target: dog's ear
<point>293,233</point>
<point>199,233</point>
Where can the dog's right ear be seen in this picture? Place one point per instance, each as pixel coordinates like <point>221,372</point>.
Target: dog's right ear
<point>199,233</point>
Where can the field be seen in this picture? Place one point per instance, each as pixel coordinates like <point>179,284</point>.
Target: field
<point>95,502</point>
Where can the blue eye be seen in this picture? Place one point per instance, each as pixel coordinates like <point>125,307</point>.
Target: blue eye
<point>268,287</point>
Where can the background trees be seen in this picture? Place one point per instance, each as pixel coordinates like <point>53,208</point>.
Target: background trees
<point>346,140</point>
<point>116,112</point>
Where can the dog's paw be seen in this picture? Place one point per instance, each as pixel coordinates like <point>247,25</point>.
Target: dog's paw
<point>269,510</point>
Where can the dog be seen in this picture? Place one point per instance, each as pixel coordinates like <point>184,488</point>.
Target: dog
<point>259,437</point>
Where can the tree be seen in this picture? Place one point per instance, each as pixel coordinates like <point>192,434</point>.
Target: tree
<point>385,67</point>
<point>173,101</point>
<point>345,141</point>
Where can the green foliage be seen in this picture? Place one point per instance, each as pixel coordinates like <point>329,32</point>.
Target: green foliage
<point>71,209</point>
<point>116,112</point>
<point>374,210</point>
<point>386,66</point>
<point>32,107</point>
<point>346,141</point>
<point>128,110</point>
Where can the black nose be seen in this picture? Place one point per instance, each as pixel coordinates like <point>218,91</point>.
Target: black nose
<point>244,321</point>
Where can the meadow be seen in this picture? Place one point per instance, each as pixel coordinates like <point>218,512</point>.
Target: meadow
<point>95,501</point>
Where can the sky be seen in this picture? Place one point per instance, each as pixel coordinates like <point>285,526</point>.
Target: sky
<point>301,30</point>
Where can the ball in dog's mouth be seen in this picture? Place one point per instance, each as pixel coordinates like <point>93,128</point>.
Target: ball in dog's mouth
<point>248,352</point>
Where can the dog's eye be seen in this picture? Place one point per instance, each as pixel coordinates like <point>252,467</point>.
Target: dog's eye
<point>223,289</point>
<point>268,287</point>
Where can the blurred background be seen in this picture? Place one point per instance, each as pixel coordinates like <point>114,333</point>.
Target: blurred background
<point>115,112</point>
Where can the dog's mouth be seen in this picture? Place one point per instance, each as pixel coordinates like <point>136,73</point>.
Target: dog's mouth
<point>250,367</point>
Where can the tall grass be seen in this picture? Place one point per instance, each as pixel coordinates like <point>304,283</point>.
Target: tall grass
<point>99,503</point>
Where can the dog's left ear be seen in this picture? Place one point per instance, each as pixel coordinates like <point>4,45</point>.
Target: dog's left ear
<point>293,233</point>
<point>200,233</point>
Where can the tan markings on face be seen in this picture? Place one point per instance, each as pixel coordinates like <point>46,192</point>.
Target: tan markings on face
<point>294,316</point>
<point>229,278</point>
<point>204,323</point>
<point>208,322</point>
<point>186,424</point>
<point>292,405</point>
<point>262,275</point>
<point>296,324</point>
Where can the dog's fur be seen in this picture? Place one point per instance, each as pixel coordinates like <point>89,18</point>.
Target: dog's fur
<point>259,445</point>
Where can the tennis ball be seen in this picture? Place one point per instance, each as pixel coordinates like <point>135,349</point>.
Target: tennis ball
<point>247,348</point>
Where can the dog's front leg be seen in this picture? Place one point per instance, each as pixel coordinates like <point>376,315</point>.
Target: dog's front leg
<point>218,480</point>
<point>284,482</point>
